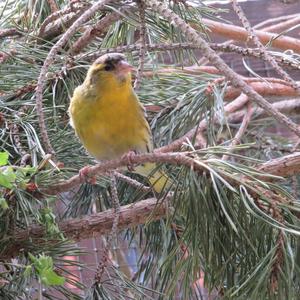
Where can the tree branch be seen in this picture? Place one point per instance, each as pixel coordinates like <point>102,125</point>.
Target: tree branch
<point>265,55</point>
<point>240,34</point>
<point>291,107</point>
<point>237,139</point>
<point>285,25</point>
<point>89,226</point>
<point>93,31</point>
<point>224,47</point>
<point>283,166</point>
<point>9,32</point>
<point>215,60</point>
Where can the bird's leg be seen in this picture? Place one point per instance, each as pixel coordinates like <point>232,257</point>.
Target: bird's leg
<point>128,156</point>
<point>84,173</point>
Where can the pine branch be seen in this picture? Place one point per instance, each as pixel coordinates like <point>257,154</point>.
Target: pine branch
<point>188,46</point>
<point>9,32</point>
<point>266,23</point>
<point>283,166</point>
<point>114,229</point>
<point>96,30</point>
<point>291,107</point>
<point>142,42</point>
<point>215,60</point>
<point>89,226</point>
<point>269,58</point>
<point>238,103</point>
<point>53,5</point>
<point>285,25</point>
<point>240,34</point>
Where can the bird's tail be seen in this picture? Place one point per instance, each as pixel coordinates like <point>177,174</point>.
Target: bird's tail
<point>158,179</point>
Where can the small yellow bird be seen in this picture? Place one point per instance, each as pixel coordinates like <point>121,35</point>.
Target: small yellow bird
<point>108,117</point>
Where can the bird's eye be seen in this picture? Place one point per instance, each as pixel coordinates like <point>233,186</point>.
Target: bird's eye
<point>108,67</point>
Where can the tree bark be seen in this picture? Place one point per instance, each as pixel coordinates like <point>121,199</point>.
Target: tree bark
<point>89,226</point>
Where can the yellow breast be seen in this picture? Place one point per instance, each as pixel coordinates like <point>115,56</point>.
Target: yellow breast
<point>109,122</point>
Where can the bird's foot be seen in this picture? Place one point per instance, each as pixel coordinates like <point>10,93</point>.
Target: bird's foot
<point>128,156</point>
<point>84,174</point>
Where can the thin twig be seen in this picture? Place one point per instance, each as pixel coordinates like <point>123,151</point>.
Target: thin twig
<point>237,139</point>
<point>291,107</point>
<point>53,5</point>
<point>61,19</point>
<point>19,148</point>
<point>269,58</point>
<point>215,60</point>
<point>279,254</point>
<point>9,32</point>
<point>133,182</point>
<point>96,30</point>
<point>239,102</point>
<point>187,46</point>
<point>49,60</point>
<point>105,252</point>
<point>283,166</point>
<point>142,42</point>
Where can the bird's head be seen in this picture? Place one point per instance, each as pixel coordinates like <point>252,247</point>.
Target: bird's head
<point>110,70</point>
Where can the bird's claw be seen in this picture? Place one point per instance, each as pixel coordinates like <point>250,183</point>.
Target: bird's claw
<point>128,156</point>
<point>84,174</point>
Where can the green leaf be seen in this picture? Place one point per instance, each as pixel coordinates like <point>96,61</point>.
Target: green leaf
<point>3,158</point>
<point>10,174</point>
<point>3,203</point>
<point>5,182</point>
<point>7,177</point>
<point>44,267</point>
<point>49,277</point>
<point>27,271</point>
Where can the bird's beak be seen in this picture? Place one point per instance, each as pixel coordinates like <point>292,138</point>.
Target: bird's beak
<point>124,67</point>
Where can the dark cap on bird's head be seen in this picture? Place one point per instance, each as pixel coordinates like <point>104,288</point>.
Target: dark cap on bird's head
<point>114,62</point>
<point>110,58</point>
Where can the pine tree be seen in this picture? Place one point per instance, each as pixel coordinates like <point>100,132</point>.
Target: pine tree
<point>231,216</point>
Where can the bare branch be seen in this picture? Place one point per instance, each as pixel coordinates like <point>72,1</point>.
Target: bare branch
<point>142,42</point>
<point>240,34</point>
<point>132,182</point>
<point>114,228</point>
<point>224,47</point>
<point>266,56</point>
<point>291,107</point>
<point>283,166</point>
<point>283,25</point>
<point>237,139</point>
<point>93,31</point>
<point>93,225</point>
<point>277,20</point>
<point>53,5</point>
<point>9,32</point>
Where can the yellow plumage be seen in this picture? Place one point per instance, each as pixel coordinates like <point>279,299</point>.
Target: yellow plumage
<point>108,117</point>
